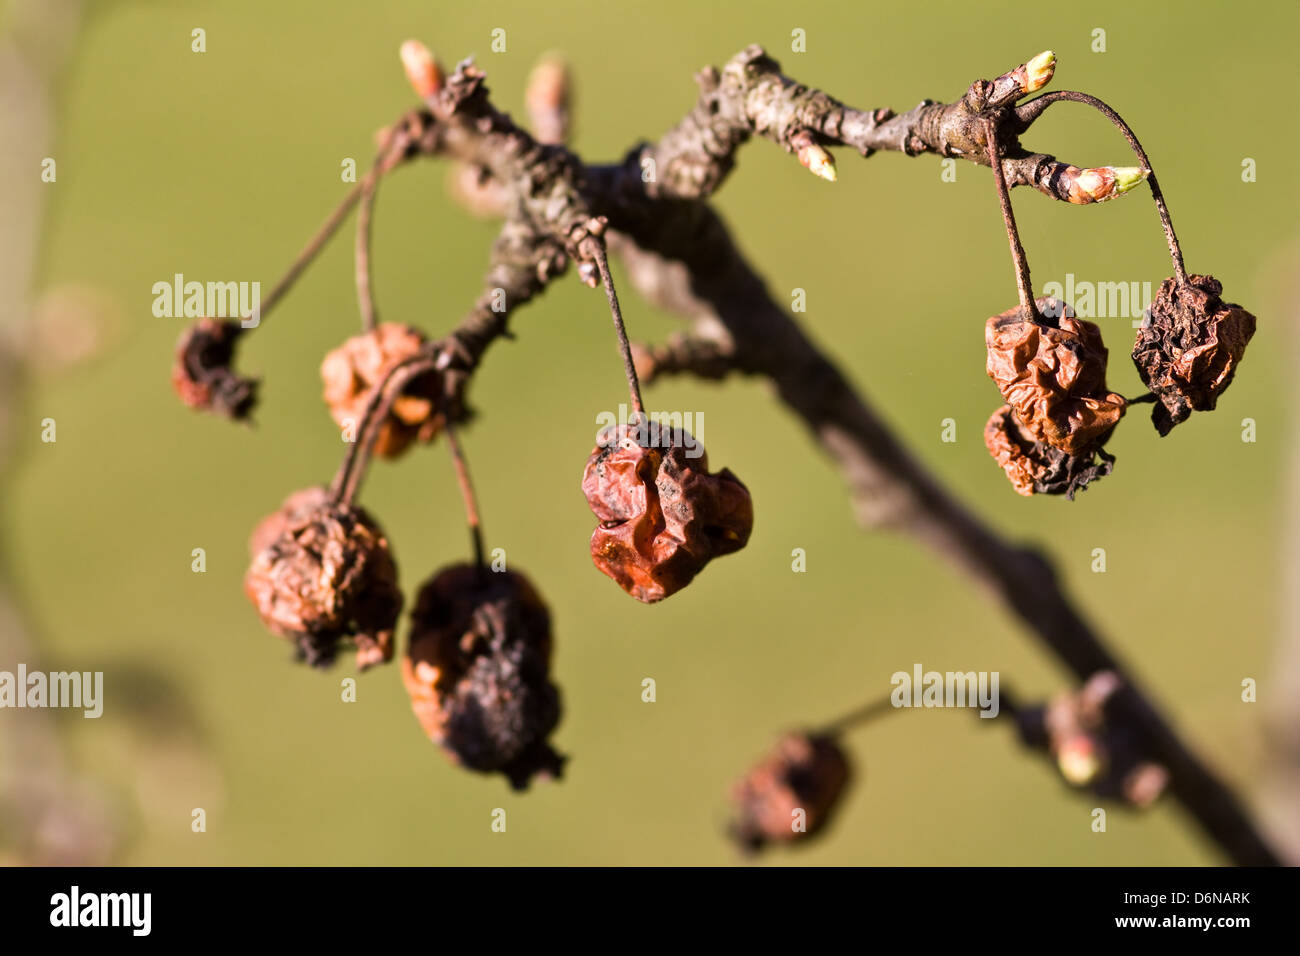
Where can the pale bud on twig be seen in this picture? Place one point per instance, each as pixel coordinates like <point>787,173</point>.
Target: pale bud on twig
<point>812,156</point>
<point>1079,759</point>
<point>1102,183</point>
<point>422,70</point>
<point>1011,86</point>
<point>547,98</point>
<point>1039,70</point>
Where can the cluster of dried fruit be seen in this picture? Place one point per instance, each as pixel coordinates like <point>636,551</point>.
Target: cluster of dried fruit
<point>1050,437</point>
<point>322,574</point>
<point>478,660</point>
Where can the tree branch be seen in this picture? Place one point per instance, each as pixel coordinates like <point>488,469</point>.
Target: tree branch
<point>680,254</point>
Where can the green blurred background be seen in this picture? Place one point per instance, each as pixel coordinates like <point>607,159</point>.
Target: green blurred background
<point>219,165</point>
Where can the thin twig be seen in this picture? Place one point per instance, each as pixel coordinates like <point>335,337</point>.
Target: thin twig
<point>1023,282</point>
<point>395,144</point>
<point>1030,111</point>
<point>347,481</point>
<point>466,491</point>
<point>599,253</point>
<point>311,250</point>
<point>857,717</point>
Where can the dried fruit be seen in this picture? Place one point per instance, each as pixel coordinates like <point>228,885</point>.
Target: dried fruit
<point>323,574</point>
<point>791,794</point>
<point>1038,468</point>
<point>202,375</point>
<point>1053,375</point>
<point>1188,349</point>
<point>662,515</point>
<point>478,672</point>
<point>298,506</point>
<point>351,372</point>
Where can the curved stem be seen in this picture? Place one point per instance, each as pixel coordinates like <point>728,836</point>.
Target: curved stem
<point>629,367</point>
<point>347,481</point>
<point>393,148</point>
<point>466,491</point>
<point>1024,284</point>
<point>365,295</point>
<point>857,717</point>
<point>1030,111</point>
<point>310,251</point>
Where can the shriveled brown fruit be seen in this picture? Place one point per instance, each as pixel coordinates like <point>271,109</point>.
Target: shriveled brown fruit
<point>322,575</point>
<point>1035,467</point>
<point>478,672</point>
<point>803,772</point>
<point>662,515</point>
<point>1053,374</point>
<point>352,371</point>
<point>298,506</point>
<point>1188,349</point>
<point>202,374</point>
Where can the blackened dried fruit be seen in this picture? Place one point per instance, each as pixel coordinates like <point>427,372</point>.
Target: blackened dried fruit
<point>351,372</point>
<point>478,672</point>
<point>1038,468</point>
<point>323,574</point>
<point>1188,349</point>
<point>1053,375</point>
<point>791,794</point>
<point>202,374</point>
<point>1090,749</point>
<point>662,515</point>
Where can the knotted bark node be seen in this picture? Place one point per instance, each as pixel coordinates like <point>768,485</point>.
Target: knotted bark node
<point>791,794</point>
<point>478,672</point>
<point>1188,349</point>
<point>353,371</point>
<point>322,574</point>
<point>663,516</point>
<point>1053,375</point>
<point>203,374</point>
<point>1037,468</point>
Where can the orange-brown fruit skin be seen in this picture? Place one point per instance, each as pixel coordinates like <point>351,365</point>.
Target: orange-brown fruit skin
<point>805,772</point>
<point>662,515</point>
<point>351,372</point>
<point>322,575</point>
<point>1053,376</point>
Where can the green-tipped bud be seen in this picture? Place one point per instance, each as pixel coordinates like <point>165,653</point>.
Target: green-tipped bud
<point>1126,177</point>
<point>1039,70</point>
<point>1011,86</point>
<point>1083,186</point>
